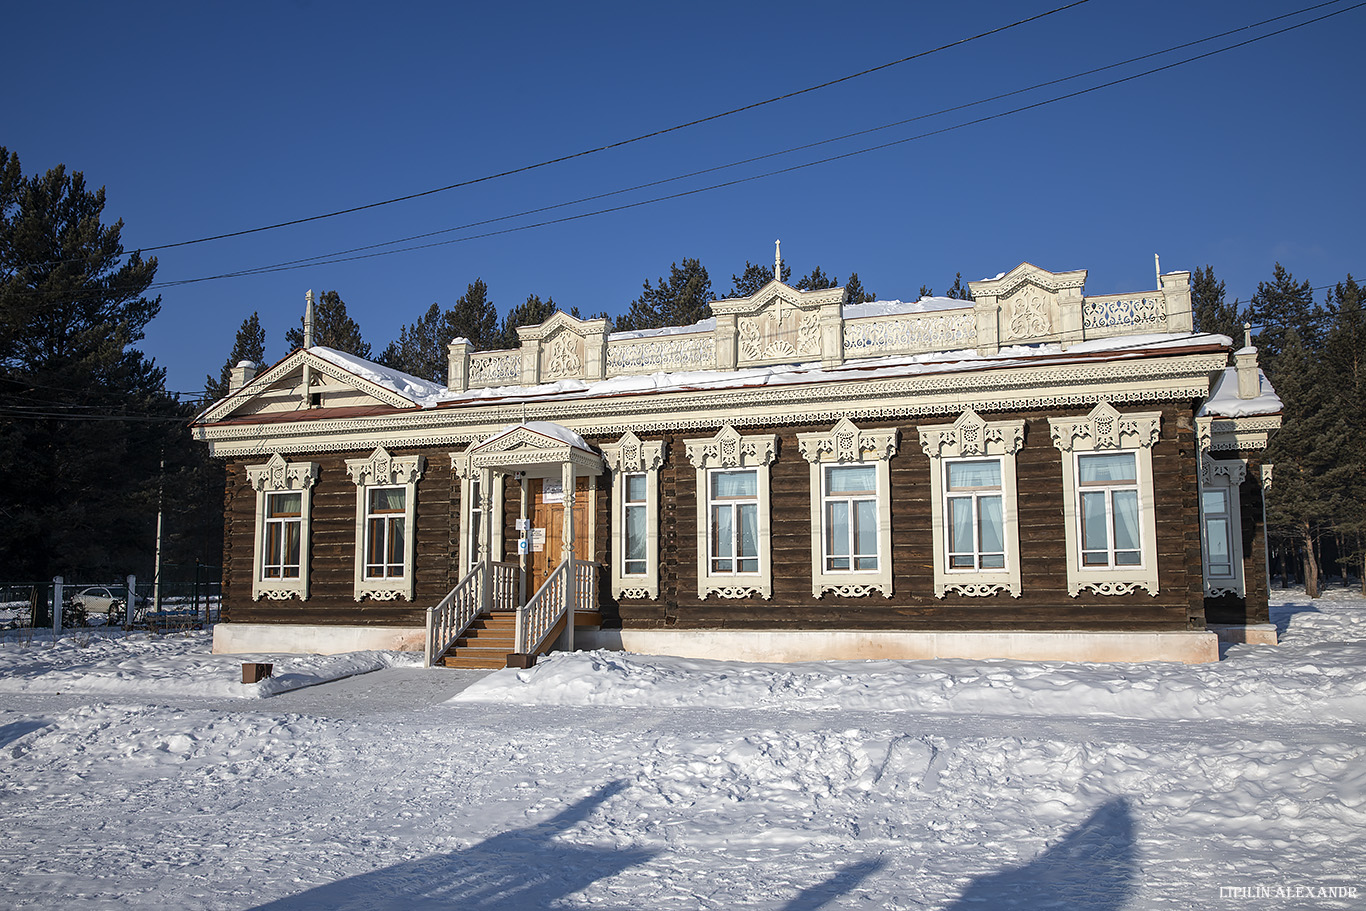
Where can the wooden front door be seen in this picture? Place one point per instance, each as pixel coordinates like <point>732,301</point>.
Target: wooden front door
<point>550,516</point>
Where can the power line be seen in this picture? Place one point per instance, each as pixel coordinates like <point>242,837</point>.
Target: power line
<point>334,260</point>
<point>623,142</point>
<point>319,259</point>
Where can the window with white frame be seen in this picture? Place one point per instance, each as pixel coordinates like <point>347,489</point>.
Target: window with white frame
<point>386,518</point>
<point>1108,500</point>
<point>733,531</point>
<point>474,526</point>
<point>1107,487</point>
<point>474,508</point>
<point>975,515</point>
<point>851,528</point>
<point>386,495</point>
<point>283,518</point>
<point>976,539</point>
<point>733,542</point>
<point>284,535</point>
<point>635,468</point>
<point>1221,525</point>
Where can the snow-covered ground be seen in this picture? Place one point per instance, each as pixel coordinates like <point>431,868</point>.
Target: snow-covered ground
<point>137,771</point>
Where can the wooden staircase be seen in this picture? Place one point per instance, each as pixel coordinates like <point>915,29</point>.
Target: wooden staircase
<point>487,643</point>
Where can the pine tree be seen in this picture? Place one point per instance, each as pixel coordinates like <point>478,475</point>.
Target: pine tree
<point>925,291</point>
<point>421,347</point>
<point>855,293</point>
<point>332,328</point>
<point>681,300</point>
<point>84,415</point>
<point>1277,307</point>
<point>816,280</point>
<point>1344,364</point>
<point>250,345</point>
<point>753,278</point>
<point>1209,310</point>
<point>474,317</point>
<point>960,291</point>
<point>531,313</point>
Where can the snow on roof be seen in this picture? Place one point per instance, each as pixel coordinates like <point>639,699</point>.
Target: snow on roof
<point>1223,401</point>
<point>421,392</point>
<point>706,325</point>
<point>547,429</point>
<point>897,308</point>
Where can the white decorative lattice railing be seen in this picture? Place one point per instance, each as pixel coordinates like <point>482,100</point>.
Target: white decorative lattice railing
<point>1120,314</point>
<point>495,368</point>
<point>447,621</point>
<point>690,351</point>
<point>585,585</point>
<point>910,333</point>
<point>505,578</point>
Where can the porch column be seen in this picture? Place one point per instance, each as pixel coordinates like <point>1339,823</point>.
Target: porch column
<point>486,536</point>
<point>567,553</point>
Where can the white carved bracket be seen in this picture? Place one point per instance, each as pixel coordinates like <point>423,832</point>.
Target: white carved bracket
<point>382,468</point>
<point>847,443</point>
<point>1106,428</point>
<point>728,449</point>
<point>970,435</point>
<point>277,474</point>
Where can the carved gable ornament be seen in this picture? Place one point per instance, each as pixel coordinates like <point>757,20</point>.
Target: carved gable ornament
<point>1106,428</point>
<point>382,468</point>
<point>728,449</point>
<point>781,324</point>
<point>846,443</point>
<point>566,347</point>
<point>1032,302</point>
<point>631,454</point>
<point>277,474</point>
<point>521,446</point>
<point>971,435</point>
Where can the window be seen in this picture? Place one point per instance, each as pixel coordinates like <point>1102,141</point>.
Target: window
<point>1108,487</point>
<point>283,512</point>
<point>851,518</point>
<point>473,510</point>
<point>386,494</point>
<point>635,526</point>
<point>976,516</point>
<point>284,532</point>
<point>385,521</point>
<point>474,527</point>
<point>972,510</point>
<point>1221,525</point>
<point>733,536</point>
<point>733,546</point>
<point>1109,518</point>
<point>851,528</point>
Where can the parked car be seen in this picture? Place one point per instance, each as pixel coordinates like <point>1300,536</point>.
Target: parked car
<point>100,600</point>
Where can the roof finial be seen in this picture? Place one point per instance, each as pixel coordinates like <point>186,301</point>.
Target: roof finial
<point>308,319</point>
<point>1247,335</point>
<point>778,260</point>
<point>1157,267</point>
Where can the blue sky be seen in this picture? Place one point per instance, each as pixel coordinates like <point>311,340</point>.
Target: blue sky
<point>205,118</point>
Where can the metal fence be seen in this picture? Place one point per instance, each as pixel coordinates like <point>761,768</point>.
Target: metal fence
<point>185,597</point>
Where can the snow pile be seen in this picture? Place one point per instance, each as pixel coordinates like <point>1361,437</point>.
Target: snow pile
<point>1223,399</point>
<point>115,663</point>
<point>1319,671</point>
<point>901,308</point>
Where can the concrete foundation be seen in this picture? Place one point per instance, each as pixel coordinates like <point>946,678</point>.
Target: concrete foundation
<point>297,639</point>
<point>1250,633</point>
<point>817,645</point>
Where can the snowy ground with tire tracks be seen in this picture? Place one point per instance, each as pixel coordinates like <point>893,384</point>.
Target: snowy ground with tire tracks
<point>137,771</point>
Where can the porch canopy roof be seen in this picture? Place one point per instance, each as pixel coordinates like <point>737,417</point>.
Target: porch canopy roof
<point>540,449</point>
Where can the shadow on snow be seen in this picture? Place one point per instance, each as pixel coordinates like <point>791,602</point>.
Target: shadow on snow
<point>1092,869</point>
<point>515,871</point>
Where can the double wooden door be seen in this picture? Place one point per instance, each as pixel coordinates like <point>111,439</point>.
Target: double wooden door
<point>547,515</point>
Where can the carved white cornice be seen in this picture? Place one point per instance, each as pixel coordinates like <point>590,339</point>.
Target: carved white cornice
<point>728,449</point>
<point>630,454</point>
<point>1223,434</point>
<point>1106,428</point>
<point>1232,471</point>
<point>382,468</point>
<point>847,443</point>
<point>277,474</point>
<point>972,435</point>
<point>1266,475</point>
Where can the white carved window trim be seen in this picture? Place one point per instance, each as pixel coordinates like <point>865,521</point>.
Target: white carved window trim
<point>1107,430</point>
<point>383,470</point>
<point>972,437</point>
<point>629,456</point>
<point>1225,475</point>
<point>491,505</point>
<point>729,450</point>
<point>846,444</point>
<point>279,476</point>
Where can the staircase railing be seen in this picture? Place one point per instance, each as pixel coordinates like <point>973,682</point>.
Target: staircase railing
<point>447,621</point>
<point>505,577</point>
<point>538,619</point>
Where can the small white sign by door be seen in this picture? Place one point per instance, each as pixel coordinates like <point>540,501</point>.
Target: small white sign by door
<point>538,539</point>
<point>552,491</point>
